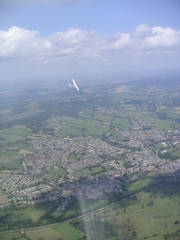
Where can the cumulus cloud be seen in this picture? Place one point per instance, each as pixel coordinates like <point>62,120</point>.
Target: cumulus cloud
<point>142,31</point>
<point>77,43</point>
<point>22,43</point>
<point>71,37</point>
<point>122,41</point>
<point>162,38</point>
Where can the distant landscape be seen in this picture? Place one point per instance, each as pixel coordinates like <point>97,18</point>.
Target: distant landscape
<point>102,163</point>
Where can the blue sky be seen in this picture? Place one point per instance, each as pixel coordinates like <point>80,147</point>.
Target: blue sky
<point>103,16</point>
<point>60,38</point>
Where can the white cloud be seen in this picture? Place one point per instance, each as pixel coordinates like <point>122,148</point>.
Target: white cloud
<point>122,41</point>
<point>72,36</point>
<point>142,31</point>
<point>18,43</point>
<point>162,38</point>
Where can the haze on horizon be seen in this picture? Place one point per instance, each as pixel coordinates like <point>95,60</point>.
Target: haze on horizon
<point>57,39</point>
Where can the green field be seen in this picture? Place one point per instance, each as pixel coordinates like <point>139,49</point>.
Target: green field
<point>76,127</point>
<point>12,141</point>
<point>173,115</point>
<point>94,171</point>
<point>7,173</point>
<point>11,165</point>
<point>56,173</point>
<point>120,123</point>
<point>12,236</point>
<point>18,130</point>
<point>3,198</point>
<point>175,152</point>
<point>139,184</point>
<point>34,214</point>
<point>171,153</point>
<point>4,174</point>
<point>63,231</point>
<point>18,217</point>
<point>151,214</point>
<point>164,124</point>
<point>94,115</point>
<point>69,232</point>
<point>31,109</point>
<point>9,156</point>
<point>44,233</point>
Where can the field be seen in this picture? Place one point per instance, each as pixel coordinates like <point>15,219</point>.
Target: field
<point>68,231</point>
<point>93,171</point>
<point>153,214</point>
<point>3,198</point>
<point>63,231</point>
<point>34,213</point>
<point>164,124</point>
<point>56,173</point>
<point>44,233</point>
<point>12,236</point>
<point>16,217</point>
<point>92,125</point>
<point>139,184</point>
<point>28,110</point>
<point>120,123</point>
<point>4,174</point>
<point>13,140</point>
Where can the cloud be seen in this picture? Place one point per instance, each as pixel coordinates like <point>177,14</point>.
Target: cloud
<point>18,43</point>
<point>122,41</point>
<point>22,43</point>
<point>162,38</point>
<point>71,37</point>
<point>26,44</point>
<point>142,31</point>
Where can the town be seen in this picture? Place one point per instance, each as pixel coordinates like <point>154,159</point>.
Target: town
<point>57,166</point>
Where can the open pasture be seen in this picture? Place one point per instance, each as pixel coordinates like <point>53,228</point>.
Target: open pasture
<point>76,127</point>
<point>11,142</point>
<point>43,233</point>
<point>150,214</point>
<point>68,231</point>
<point>120,123</point>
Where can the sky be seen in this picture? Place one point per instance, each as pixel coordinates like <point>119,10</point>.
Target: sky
<point>49,39</point>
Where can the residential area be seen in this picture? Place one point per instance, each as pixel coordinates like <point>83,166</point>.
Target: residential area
<point>58,167</point>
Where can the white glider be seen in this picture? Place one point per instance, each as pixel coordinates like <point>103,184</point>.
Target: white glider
<point>74,85</point>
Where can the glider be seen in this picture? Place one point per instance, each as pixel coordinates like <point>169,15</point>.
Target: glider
<point>74,85</point>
